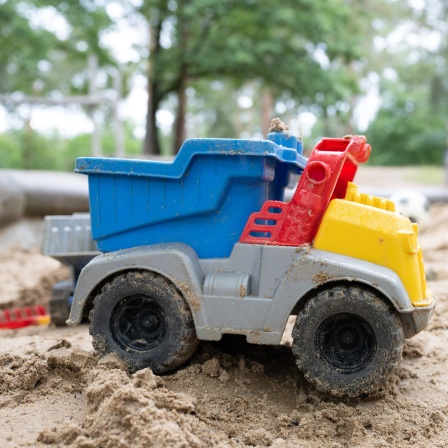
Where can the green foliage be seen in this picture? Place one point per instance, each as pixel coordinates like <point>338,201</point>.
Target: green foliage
<point>213,109</point>
<point>411,127</point>
<point>37,59</point>
<point>401,137</point>
<point>300,48</point>
<point>426,175</point>
<point>10,151</point>
<point>27,149</point>
<point>310,54</point>
<point>21,48</point>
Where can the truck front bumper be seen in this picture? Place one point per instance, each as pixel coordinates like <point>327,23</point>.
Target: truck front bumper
<point>417,319</point>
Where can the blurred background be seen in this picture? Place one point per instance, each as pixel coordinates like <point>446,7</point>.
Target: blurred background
<point>137,77</point>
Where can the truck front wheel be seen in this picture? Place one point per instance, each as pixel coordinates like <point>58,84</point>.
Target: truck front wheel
<point>347,341</point>
<point>143,318</point>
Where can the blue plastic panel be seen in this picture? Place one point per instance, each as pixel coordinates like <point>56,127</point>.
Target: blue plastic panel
<point>203,198</point>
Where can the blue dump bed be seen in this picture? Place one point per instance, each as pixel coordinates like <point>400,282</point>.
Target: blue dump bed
<point>203,198</point>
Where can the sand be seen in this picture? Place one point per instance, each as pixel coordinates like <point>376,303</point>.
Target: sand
<point>56,391</point>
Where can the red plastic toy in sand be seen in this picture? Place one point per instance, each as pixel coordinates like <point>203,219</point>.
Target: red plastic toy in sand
<point>23,317</point>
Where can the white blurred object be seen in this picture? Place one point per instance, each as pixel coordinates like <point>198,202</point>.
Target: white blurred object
<point>412,204</point>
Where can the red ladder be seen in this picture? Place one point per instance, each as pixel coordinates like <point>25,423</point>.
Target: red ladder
<point>332,164</point>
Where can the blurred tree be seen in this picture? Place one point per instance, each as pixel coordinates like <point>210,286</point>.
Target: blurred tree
<point>297,46</point>
<point>43,48</point>
<point>21,48</point>
<point>406,131</point>
<point>44,44</point>
<point>54,152</point>
<point>411,127</point>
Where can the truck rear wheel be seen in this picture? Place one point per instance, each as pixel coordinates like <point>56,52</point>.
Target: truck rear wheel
<point>143,318</point>
<point>347,341</point>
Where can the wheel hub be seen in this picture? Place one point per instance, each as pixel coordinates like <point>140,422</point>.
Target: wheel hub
<point>150,322</point>
<point>346,342</point>
<point>348,339</point>
<point>138,323</point>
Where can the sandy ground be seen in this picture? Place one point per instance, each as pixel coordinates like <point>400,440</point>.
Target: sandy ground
<point>56,391</point>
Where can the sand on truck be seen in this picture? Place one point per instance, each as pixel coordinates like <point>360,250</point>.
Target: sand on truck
<point>56,391</point>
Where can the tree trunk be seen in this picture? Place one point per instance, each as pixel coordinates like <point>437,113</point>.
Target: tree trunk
<point>326,126</point>
<point>267,107</point>
<point>151,143</point>
<point>94,109</point>
<point>28,155</point>
<point>237,123</point>
<point>445,176</point>
<point>180,132</point>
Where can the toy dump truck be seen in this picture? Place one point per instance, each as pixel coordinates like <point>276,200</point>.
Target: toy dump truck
<point>205,246</point>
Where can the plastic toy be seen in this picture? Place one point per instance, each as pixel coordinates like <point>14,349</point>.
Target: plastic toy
<point>204,246</point>
<point>68,240</point>
<point>23,317</point>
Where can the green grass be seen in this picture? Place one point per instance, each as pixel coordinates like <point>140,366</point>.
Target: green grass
<point>426,175</point>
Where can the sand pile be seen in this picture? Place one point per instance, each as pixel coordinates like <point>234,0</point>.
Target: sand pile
<point>125,410</point>
<point>26,277</point>
<point>230,395</point>
<point>55,391</point>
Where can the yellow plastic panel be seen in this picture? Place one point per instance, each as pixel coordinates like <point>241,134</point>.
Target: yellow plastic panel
<point>368,228</point>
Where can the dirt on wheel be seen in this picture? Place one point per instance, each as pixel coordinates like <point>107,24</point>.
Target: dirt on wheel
<point>57,391</point>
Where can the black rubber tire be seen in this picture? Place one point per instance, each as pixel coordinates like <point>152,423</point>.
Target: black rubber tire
<point>59,311</point>
<point>347,341</point>
<point>58,306</point>
<point>143,318</point>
